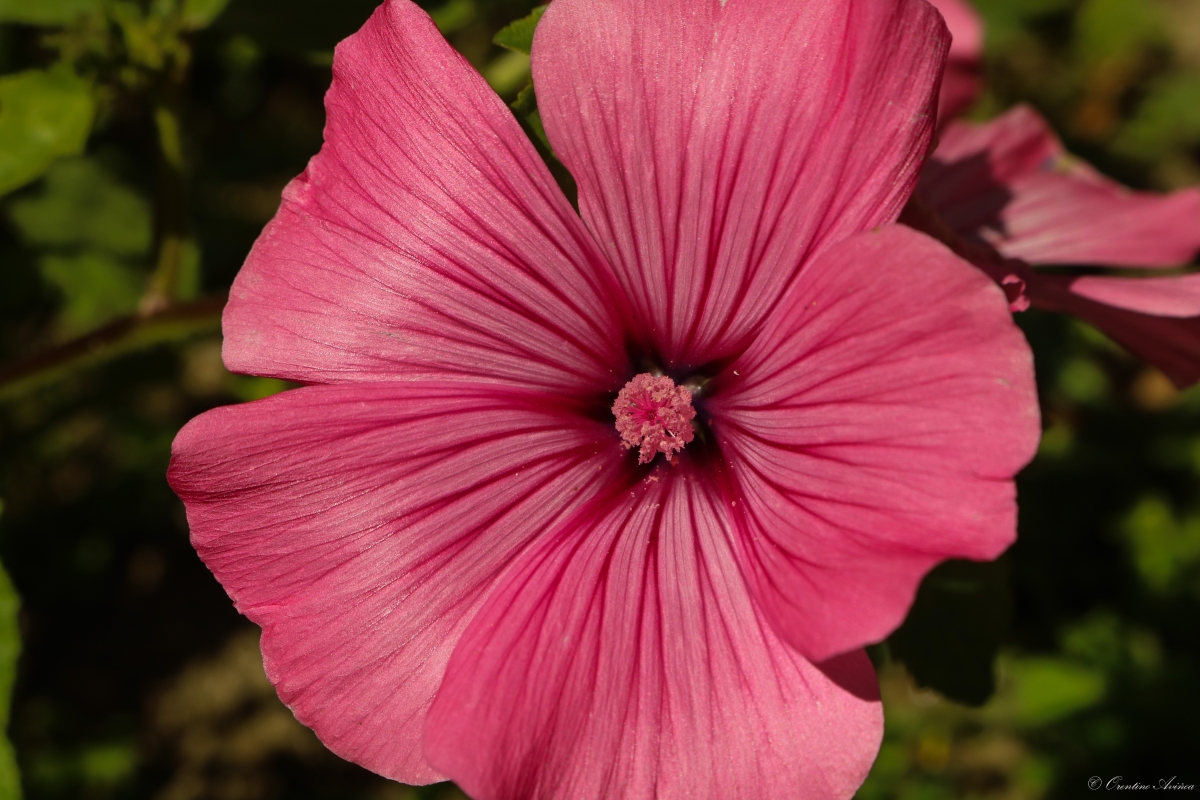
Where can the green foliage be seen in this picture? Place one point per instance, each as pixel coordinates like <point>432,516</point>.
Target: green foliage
<point>201,13</point>
<point>1007,19</point>
<point>1166,550</point>
<point>518,36</point>
<point>1116,29</point>
<point>1168,118</point>
<point>45,12</point>
<point>1083,381</point>
<point>10,650</point>
<point>1047,690</point>
<point>94,288</point>
<point>526,103</point>
<point>81,204</point>
<point>94,234</point>
<point>44,115</point>
<point>508,73</point>
<point>454,15</point>
<point>1020,679</point>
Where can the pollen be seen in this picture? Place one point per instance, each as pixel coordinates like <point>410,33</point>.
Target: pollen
<point>655,416</point>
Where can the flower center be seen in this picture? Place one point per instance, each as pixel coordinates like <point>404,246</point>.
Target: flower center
<point>654,415</point>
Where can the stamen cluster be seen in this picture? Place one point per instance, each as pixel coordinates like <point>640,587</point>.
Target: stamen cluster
<point>654,415</point>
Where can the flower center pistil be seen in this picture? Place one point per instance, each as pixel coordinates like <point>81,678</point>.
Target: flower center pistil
<point>654,415</point>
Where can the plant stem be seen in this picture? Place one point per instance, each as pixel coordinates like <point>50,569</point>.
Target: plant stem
<point>117,338</point>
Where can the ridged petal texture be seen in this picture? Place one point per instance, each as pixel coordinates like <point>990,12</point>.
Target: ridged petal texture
<point>361,525</point>
<point>1170,343</point>
<point>860,435</point>
<point>625,658</point>
<point>459,570</point>
<point>427,238</point>
<point>719,146</point>
<point>1010,183</point>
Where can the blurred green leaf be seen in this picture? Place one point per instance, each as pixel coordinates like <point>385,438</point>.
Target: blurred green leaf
<point>44,115</point>
<point>45,12</point>
<point>518,36</point>
<point>1116,28</point>
<point>108,764</point>
<point>246,387</point>
<point>454,15</point>
<point>94,233</point>
<point>201,13</point>
<point>950,638</point>
<point>1005,19</point>
<point>1082,380</point>
<point>1168,119</point>
<point>1046,690</point>
<point>95,288</point>
<point>82,205</point>
<point>507,73</point>
<point>1165,549</point>
<point>10,650</point>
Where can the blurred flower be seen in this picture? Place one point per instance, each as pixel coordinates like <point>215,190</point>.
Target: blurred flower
<point>1010,185</point>
<point>459,569</point>
<point>964,63</point>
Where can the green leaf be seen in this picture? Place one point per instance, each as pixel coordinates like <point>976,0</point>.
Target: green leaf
<point>954,630</point>
<point>1107,29</point>
<point>94,287</point>
<point>45,12</point>
<point>518,36</point>
<point>454,15</point>
<point>526,102</point>
<point>508,73</point>
<point>1004,20</point>
<point>81,205</point>
<point>94,234</point>
<point>1168,119</point>
<point>199,14</point>
<point>44,115</point>
<point>526,111</point>
<point>10,650</point>
<point>539,130</point>
<point>1046,690</point>
<point>1165,549</point>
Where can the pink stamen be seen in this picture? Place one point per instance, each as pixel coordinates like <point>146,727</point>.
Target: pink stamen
<point>654,415</point>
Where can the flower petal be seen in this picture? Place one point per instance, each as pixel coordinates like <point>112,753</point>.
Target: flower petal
<point>427,237</point>
<point>1170,296</point>
<point>964,65</point>
<point>1170,343</point>
<point>1011,183</point>
<point>720,144</point>
<point>624,658</point>
<point>872,431</point>
<point>361,526</point>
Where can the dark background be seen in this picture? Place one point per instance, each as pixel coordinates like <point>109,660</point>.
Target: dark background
<point>1074,655</point>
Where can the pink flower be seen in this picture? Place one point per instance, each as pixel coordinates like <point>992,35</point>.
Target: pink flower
<point>459,568</point>
<point>1009,183</point>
